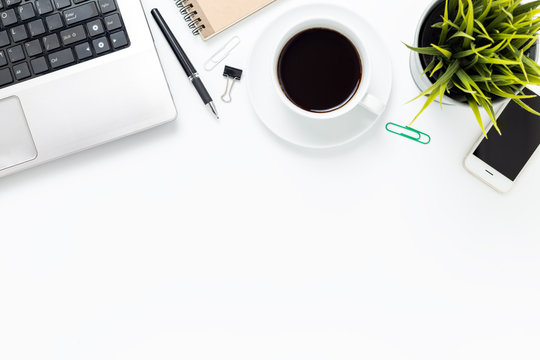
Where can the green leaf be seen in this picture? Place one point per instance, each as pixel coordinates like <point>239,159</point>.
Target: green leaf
<point>522,66</point>
<point>487,9</point>
<point>442,81</point>
<point>483,31</point>
<point>437,68</point>
<point>469,84</point>
<point>428,68</point>
<point>442,90</point>
<point>495,90</point>
<point>462,35</point>
<point>470,52</point>
<point>428,102</point>
<point>444,27</point>
<point>466,91</point>
<point>447,54</point>
<point>469,29</point>
<point>476,111</point>
<point>424,50</point>
<point>484,60</point>
<point>486,104</point>
<point>526,7</point>
<point>526,107</point>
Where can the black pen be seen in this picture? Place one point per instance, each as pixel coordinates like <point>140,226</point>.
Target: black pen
<point>190,70</point>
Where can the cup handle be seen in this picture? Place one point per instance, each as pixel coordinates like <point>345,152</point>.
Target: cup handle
<point>373,104</point>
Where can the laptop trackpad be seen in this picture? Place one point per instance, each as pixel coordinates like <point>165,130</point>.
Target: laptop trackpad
<point>16,143</point>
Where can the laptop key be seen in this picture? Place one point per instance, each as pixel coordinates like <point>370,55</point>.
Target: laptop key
<point>16,53</point>
<point>36,28</point>
<point>81,13</point>
<point>4,38</point>
<point>13,2</point>
<point>26,11</point>
<point>44,7</point>
<point>5,77</point>
<point>60,4</point>
<point>39,65</point>
<point>21,71</point>
<point>8,17</point>
<point>61,58</point>
<point>83,51</point>
<point>18,33</point>
<point>54,22</point>
<point>107,6</point>
<point>101,45</point>
<point>73,35</point>
<point>3,59</point>
<point>33,48</point>
<point>95,28</point>
<point>113,22</point>
<point>119,40</point>
<point>51,42</point>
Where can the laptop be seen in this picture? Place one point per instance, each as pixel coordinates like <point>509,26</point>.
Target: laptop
<point>75,74</point>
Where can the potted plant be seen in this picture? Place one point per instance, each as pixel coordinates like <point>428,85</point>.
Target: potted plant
<point>477,52</point>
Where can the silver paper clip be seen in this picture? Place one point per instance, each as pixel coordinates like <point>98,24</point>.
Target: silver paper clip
<point>221,54</point>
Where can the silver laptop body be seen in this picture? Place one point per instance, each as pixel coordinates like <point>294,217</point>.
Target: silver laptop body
<point>88,74</point>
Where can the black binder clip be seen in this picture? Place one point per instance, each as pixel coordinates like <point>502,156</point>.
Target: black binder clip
<point>233,75</point>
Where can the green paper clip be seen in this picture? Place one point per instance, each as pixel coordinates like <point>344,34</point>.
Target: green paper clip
<point>420,137</point>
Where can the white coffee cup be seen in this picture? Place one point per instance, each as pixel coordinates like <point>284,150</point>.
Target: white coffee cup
<point>362,97</point>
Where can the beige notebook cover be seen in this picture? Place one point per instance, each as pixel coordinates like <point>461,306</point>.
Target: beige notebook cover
<point>218,15</point>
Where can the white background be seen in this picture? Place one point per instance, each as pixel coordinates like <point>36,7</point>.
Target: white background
<point>216,240</point>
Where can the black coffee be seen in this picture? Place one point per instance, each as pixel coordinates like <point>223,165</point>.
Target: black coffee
<point>320,70</point>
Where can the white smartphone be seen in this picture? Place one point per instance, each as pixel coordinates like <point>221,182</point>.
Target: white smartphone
<point>500,159</point>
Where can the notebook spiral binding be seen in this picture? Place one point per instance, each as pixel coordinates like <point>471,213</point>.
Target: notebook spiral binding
<point>190,16</point>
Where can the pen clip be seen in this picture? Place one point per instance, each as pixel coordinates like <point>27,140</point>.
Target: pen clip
<point>409,133</point>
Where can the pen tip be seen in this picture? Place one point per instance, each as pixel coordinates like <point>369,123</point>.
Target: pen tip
<point>214,109</point>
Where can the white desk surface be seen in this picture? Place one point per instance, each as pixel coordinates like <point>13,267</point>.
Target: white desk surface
<point>215,240</point>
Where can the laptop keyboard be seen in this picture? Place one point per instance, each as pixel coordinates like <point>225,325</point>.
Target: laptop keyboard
<point>41,36</point>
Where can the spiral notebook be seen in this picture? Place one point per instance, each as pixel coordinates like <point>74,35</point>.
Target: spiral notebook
<point>210,17</point>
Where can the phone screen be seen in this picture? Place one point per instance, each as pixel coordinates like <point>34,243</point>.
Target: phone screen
<point>509,153</point>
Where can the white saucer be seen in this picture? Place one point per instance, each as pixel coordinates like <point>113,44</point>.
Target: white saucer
<point>300,130</point>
